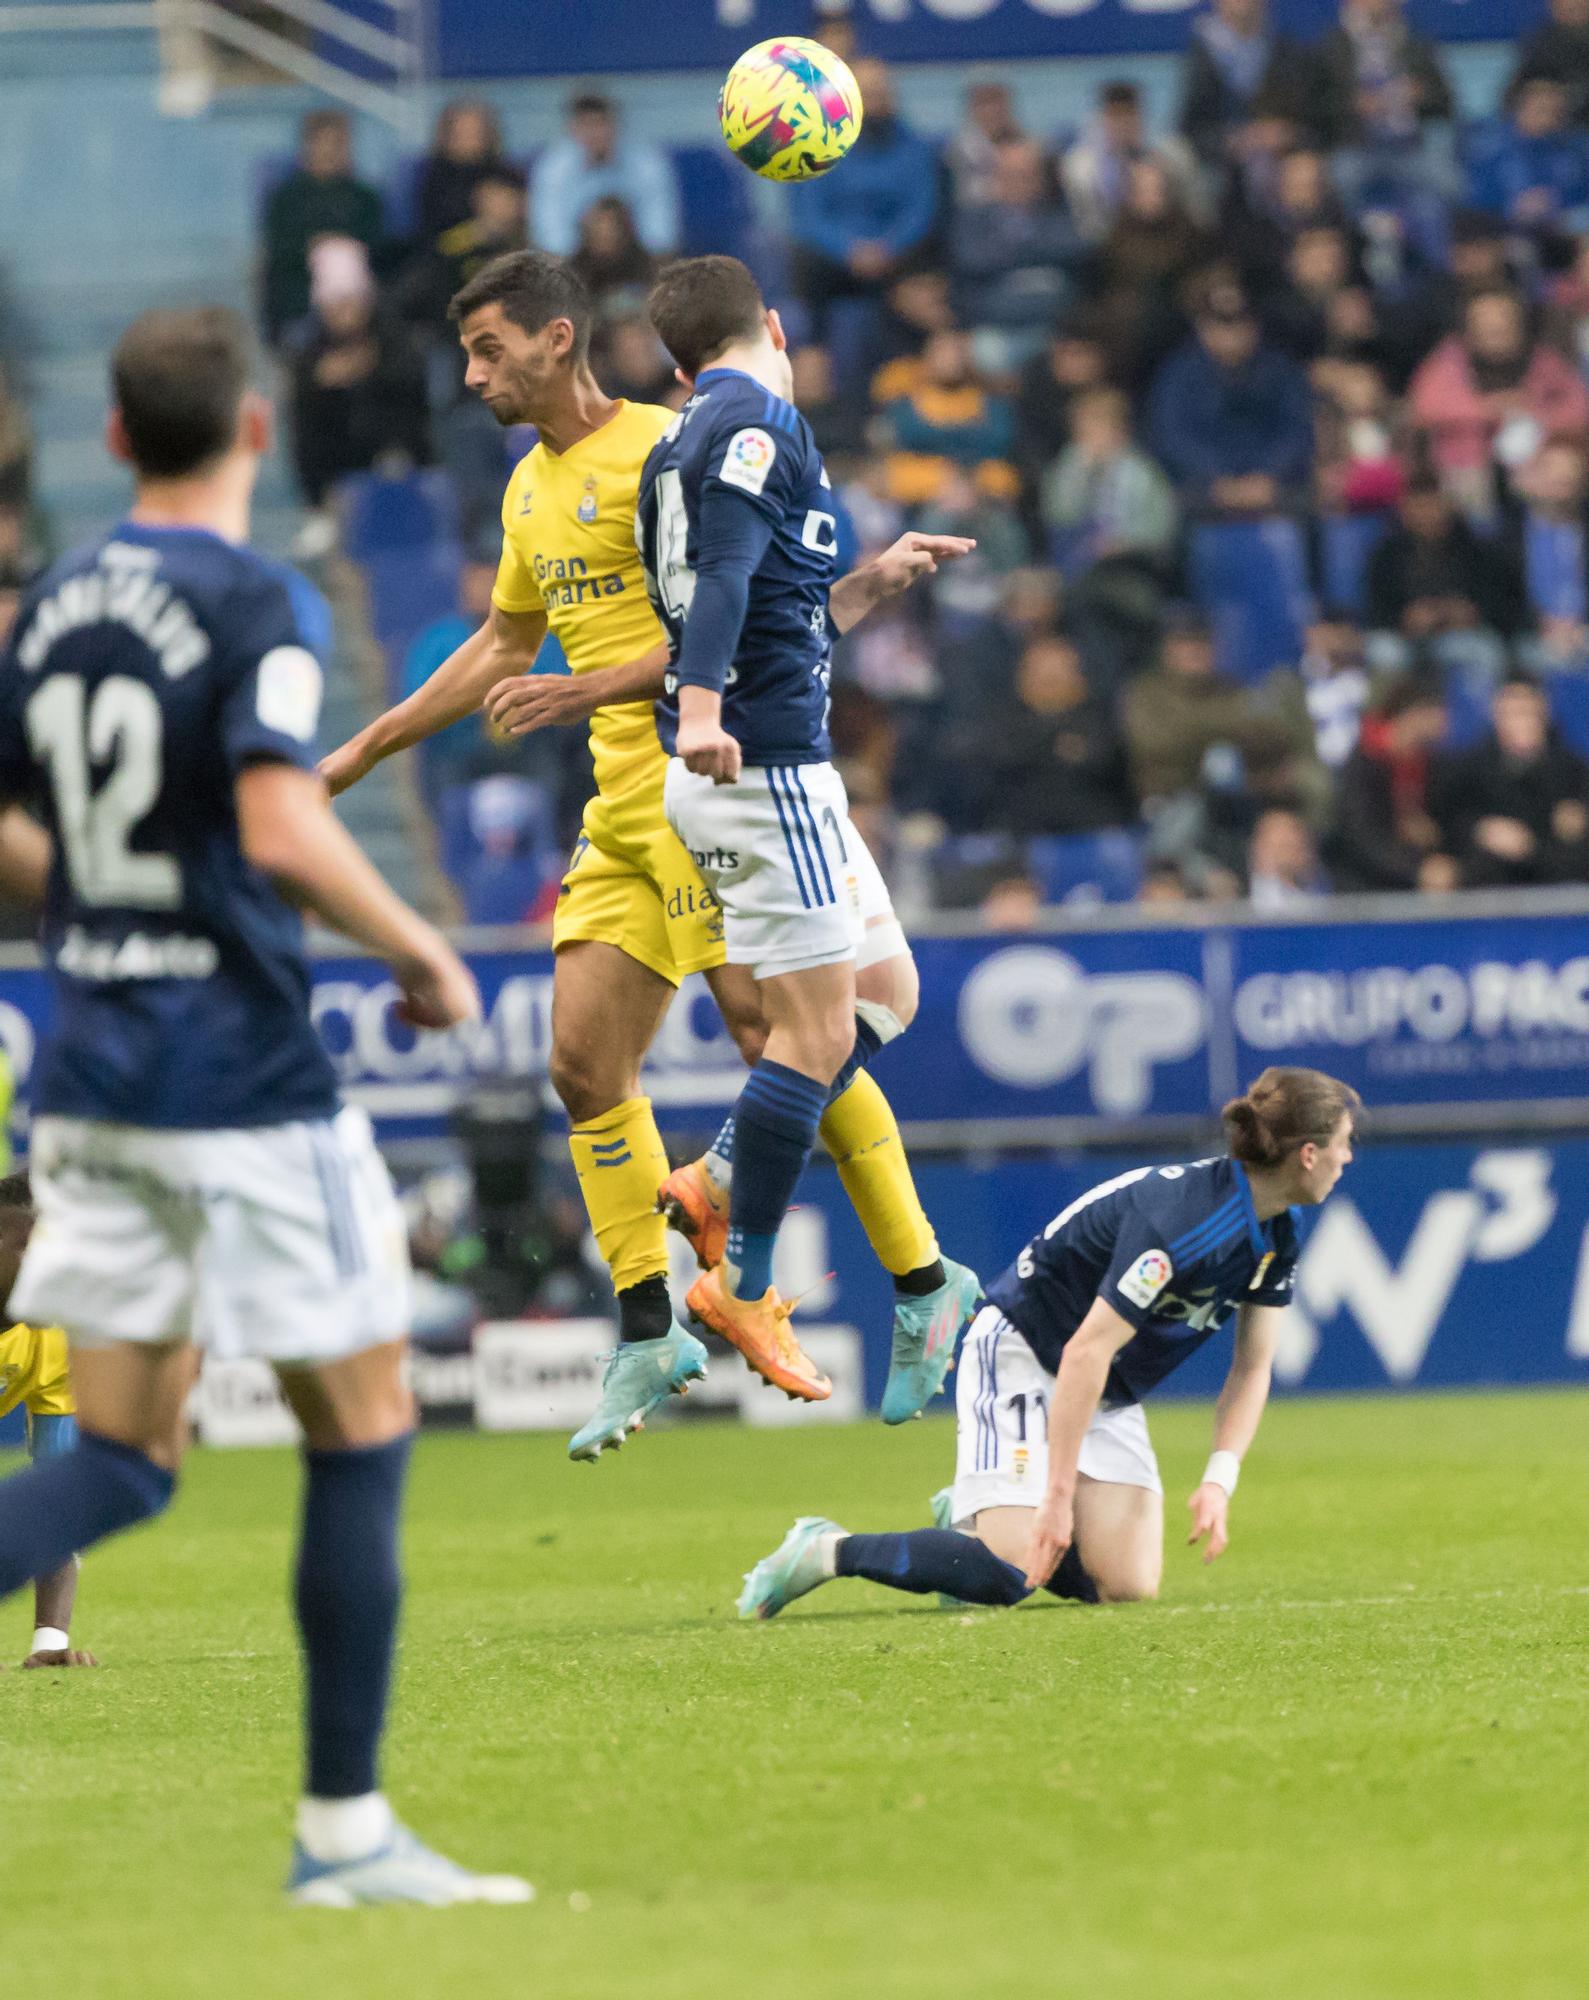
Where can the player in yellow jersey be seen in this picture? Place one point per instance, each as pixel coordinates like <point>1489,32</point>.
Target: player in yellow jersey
<point>634,917</point>
<point>34,1378</point>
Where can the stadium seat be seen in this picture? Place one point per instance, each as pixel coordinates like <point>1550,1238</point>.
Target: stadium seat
<point>1346,541</point>
<point>1251,577</point>
<point>408,590</point>
<point>380,515</point>
<point>1103,867</point>
<point>1569,708</point>
<point>715,203</point>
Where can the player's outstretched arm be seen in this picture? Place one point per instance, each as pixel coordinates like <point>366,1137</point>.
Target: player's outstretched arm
<point>506,644</point>
<point>1078,1389</point>
<point>1236,1418</point>
<point>53,1598</point>
<point>290,832</point>
<point>528,702</point>
<point>887,575</point>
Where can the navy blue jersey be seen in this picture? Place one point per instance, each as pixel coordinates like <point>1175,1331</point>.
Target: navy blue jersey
<point>1172,1249</point>
<point>743,462</point>
<point>144,672</point>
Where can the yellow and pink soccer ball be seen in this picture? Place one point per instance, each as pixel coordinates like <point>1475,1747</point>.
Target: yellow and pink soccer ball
<point>790,109</point>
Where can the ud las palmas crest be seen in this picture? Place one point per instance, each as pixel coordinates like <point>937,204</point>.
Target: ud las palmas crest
<point>586,510</point>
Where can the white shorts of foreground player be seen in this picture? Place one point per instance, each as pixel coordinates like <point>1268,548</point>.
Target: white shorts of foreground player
<point>283,1243</point>
<point>778,850</point>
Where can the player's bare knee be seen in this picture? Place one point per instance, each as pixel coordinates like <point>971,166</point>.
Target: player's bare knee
<point>894,985</point>
<point>1127,1583</point>
<point>748,1029</point>
<point>585,1085</point>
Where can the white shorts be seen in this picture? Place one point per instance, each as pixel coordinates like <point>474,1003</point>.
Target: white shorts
<point>778,850</point>
<point>1002,1399</point>
<point>284,1243</point>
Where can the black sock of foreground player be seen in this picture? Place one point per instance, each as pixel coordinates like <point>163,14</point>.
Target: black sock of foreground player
<point>645,1312</point>
<point>929,1559</point>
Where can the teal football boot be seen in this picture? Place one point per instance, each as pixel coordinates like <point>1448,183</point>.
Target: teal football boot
<point>925,1331</point>
<point>793,1568</point>
<point>639,1375</point>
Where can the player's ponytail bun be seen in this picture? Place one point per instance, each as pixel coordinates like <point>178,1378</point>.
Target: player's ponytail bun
<point>1285,1109</point>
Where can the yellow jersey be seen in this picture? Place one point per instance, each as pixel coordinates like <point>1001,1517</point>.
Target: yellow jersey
<point>568,549</point>
<point>34,1373</point>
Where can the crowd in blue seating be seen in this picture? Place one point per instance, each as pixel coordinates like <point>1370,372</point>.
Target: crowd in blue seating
<point>1271,429</point>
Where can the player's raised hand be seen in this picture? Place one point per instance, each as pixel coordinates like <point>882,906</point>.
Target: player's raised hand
<point>1053,1530</point>
<point>439,990</point>
<point>708,750</point>
<point>67,1656</point>
<point>527,702</point>
<point>914,556</point>
<point>1209,1506</point>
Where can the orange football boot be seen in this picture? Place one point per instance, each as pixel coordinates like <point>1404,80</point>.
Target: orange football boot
<point>698,1209</point>
<point>759,1328</point>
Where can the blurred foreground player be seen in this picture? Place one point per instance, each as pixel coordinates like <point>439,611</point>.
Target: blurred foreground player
<point>35,1378</point>
<point>198,1184</point>
<point>1056,1484</point>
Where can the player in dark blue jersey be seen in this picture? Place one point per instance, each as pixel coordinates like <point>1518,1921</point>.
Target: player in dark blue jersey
<point>199,1186</point>
<point>737,532</point>
<point>1056,1483</point>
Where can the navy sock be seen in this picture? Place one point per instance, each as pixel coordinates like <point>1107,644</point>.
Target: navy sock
<point>867,1044</point>
<point>1071,1580</point>
<point>775,1127</point>
<point>931,1559</point>
<point>66,1503</point>
<point>347,1591</point>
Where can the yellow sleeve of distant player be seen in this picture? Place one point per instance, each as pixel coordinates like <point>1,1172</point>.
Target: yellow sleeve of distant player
<point>515,589</point>
<point>51,1394</point>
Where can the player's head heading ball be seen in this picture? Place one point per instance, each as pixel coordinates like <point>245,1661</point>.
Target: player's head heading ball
<point>524,321</point>
<point>182,401</point>
<point>1298,1123</point>
<point>705,307</point>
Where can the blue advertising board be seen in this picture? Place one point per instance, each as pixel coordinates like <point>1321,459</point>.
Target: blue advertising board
<point>1065,1035</point>
<point>535,37</point>
<point>1432,1266</point>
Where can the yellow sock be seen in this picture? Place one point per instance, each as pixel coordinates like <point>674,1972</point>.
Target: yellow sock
<point>860,1131</point>
<point>621,1164</point>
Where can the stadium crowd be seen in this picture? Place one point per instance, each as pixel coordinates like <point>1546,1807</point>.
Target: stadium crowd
<point>1270,427</point>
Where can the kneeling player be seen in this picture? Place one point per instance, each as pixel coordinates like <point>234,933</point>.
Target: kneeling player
<point>34,1377</point>
<point>1056,1484</point>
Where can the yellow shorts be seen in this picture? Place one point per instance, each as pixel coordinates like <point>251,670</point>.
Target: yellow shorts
<point>631,883</point>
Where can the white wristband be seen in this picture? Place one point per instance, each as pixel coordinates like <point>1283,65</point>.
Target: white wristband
<point>50,1639</point>
<point>1222,1469</point>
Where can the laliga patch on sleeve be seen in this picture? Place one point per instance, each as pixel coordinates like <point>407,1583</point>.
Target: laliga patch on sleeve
<point>748,460</point>
<point>1146,1279</point>
<point>288,697</point>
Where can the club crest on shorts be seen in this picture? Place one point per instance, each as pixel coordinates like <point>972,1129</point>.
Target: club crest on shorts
<point>1146,1278</point>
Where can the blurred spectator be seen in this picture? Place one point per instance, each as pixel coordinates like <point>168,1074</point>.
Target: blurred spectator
<point>1536,177</point>
<point>972,587</point>
<point>949,417</point>
<point>1554,535</point>
<point>593,160</point>
<point>1383,102</point>
<point>1323,697</point>
<point>16,451</point>
<point>1053,759</point>
<point>1261,222</point>
<point>320,197</point>
<point>1559,49</point>
<point>1282,861</point>
<point>1245,94</point>
<point>1141,266</point>
<point>1298,313</point>
<point>502,879</point>
<point>1095,169</point>
<point>1360,464</point>
<point>972,154</point>
<point>466,145</point>
<point>630,361</point>
<point>616,266</point>
<point>1384,835</point>
<point>1011,257</point>
<point>1104,497</point>
<point>854,231</point>
<point>358,386</point>
<point>836,421</point>
<point>1163,882</point>
<point>1433,575</point>
<point>1176,713</point>
<point>1490,396</point>
<point>1013,903</point>
<point>1229,417</point>
<point>1515,808</point>
<point>449,757</point>
<point>1073,362</point>
<point>915,305</point>
<point>496,224</point>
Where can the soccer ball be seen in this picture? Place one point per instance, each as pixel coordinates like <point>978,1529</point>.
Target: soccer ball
<point>790,109</point>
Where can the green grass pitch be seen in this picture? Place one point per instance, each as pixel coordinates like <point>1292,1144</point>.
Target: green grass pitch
<point>1346,1763</point>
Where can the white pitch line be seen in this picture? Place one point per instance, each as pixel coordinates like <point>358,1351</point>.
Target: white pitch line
<point>1409,1596</point>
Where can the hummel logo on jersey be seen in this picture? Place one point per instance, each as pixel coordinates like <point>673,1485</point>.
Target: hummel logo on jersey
<point>526,504</point>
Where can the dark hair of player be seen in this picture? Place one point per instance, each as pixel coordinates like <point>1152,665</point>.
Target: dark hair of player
<point>1285,1109</point>
<point>533,288</point>
<point>16,1192</point>
<point>701,305</point>
<point>179,377</point>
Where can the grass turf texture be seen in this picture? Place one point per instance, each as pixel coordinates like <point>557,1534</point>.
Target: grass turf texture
<point>1346,1761</point>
